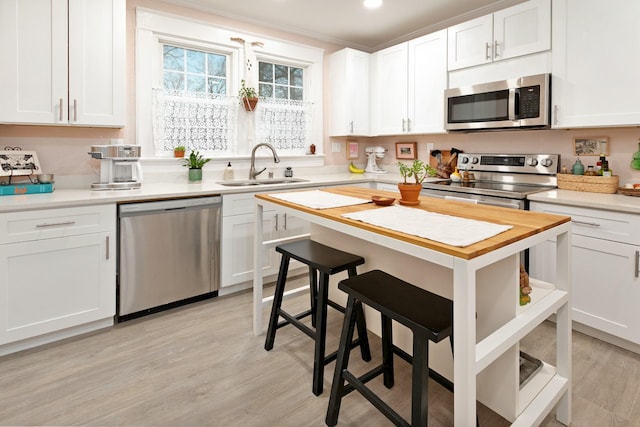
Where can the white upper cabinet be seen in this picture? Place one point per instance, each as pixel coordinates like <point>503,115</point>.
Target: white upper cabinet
<point>516,31</point>
<point>409,80</point>
<point>595,65</point>
<point>65,62</point>
<point>349,80</point>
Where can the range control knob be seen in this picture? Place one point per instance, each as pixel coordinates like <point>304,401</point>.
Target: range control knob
<point>474,160</point>
<point>533,161</point>
<point>546,162</point>
<point>464,160</point>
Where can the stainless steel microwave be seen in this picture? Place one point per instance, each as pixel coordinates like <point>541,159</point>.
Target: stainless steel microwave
<point>508,104</point>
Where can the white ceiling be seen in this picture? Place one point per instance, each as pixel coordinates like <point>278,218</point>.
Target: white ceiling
<point>347,22</point>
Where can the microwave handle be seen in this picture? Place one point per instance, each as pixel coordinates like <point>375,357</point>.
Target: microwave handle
<point>514,100</point>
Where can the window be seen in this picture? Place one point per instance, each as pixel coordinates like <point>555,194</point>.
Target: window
<point>281,81</point>
<point>193,70</point>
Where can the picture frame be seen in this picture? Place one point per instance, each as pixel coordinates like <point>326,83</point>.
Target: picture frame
<point>591,146</point>
<point>406,150</point>
<point>353,149</point>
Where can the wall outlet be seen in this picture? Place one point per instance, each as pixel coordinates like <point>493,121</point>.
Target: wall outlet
<point>430,147</point>
<point>117,141</point>
<point>335,147</point>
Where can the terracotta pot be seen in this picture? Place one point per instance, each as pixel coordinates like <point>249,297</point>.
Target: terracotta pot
<point>410,193</point>
<point>249,103</point>
<point>178,153</point>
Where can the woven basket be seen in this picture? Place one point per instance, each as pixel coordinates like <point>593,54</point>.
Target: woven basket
<point>592,184</point>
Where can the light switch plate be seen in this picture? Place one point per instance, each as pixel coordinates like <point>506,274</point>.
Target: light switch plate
<point>335,147</point>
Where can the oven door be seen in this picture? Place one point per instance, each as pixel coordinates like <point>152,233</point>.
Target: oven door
<point>502,202</point>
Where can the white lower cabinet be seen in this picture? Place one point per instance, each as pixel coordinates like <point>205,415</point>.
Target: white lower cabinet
<point>605,282</point>
<point>237,240</point>
<point>57,271</point>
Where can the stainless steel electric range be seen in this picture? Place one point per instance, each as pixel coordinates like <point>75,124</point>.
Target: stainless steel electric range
<point>498,179</point>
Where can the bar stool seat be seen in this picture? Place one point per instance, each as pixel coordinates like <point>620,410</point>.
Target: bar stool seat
<point>427,315</point>
<point>326,261</point>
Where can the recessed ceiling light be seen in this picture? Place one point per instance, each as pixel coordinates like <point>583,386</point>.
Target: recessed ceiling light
<point>372,4</point>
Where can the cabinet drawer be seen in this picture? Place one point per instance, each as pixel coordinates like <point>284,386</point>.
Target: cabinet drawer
<point>51,223</point>
<point>238,204</point>
<point>614,226</point>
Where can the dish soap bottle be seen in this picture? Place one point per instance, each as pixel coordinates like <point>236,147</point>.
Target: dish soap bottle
<point>578,168</point>
<point>228,173</point>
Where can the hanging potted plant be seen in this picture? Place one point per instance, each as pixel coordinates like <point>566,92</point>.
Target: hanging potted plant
<point>179,151</point>
<point>410,191</point>
<point>195,162</point>
<point>248,96</point>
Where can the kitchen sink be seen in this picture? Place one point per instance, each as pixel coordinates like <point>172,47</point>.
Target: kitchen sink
<point>268,181</point>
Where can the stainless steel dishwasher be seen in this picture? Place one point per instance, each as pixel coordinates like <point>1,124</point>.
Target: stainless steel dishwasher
<point>168,254</point>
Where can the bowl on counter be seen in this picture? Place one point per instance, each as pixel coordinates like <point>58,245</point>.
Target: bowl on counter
<point>45,178</point>
<point>382,201</point>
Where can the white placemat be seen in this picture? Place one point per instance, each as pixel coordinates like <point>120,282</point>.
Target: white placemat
<point>318,199</point>
<point>447,229</point>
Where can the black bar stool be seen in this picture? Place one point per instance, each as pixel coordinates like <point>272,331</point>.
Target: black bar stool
<point>430,318</point>
<point>326,261</point>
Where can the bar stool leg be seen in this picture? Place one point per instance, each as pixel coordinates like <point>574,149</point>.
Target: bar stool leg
<point>365,350</point>
<point>387,351</point>
<point>320,335</point>
<point>313,291</point>
<point>277,302</point>
<point>344,349</point>
<point>420,380</point>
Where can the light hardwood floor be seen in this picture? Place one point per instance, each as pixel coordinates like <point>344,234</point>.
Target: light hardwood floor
<point>201,365</point>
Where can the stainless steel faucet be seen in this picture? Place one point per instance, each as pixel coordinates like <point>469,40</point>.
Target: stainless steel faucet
<point>252,171</point>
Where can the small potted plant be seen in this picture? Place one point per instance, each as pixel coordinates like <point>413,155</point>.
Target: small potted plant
<point>418,170</point>
<point>248,96</point>
<point>179,151</point>
<point>195,162</point>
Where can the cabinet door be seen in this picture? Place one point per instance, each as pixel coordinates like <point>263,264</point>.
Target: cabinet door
<point>52,284</point>
<point>34,69</point>
<point>97,62</point>
<point>349,71</point>
<point>522,29</point>
<point>588,37</point>
<point>427,82</point>
<point>470,43</point>
<point>237,245</point>
<point>390,91</point>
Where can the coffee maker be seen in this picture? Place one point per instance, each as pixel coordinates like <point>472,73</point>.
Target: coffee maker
<point>120,167</point>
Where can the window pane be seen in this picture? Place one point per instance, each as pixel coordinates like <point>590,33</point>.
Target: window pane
<point>217,86</point>
<point>173,80</point>
<point>217,65</point>
<point>266,72</point>
<point>296,94</point>
<point>282,74</point>
<point>173,58</point>
<point>282,92</point>
<point>265,90</point>
<point>296,77</point>
<point>195,83</point>
<point>195,62</point>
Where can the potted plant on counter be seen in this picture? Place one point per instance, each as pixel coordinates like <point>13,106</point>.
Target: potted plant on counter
<point>248,96</point>
<point>410,191</point>
<point>195,162</point>
<point>179,151</point>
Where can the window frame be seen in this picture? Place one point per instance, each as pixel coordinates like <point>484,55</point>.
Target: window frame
<point>155,28</point>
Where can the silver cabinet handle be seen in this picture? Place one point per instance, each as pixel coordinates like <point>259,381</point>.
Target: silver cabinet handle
<point>408,125</point>
<point>637,264</point>
<point>75,110</point>
<point>285,221</point>
<point>276,222</point>
<point>54,224</point>
<point>403,126</point>
<point>555,114</point>
<point>61,106</point>
<point>351,127</point>
<point>591,224</point>
<point>486,51</point>
<point>107,242</point>
<point>495,49</point>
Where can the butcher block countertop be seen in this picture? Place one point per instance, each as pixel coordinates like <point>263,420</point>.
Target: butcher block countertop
<point>524,223</point>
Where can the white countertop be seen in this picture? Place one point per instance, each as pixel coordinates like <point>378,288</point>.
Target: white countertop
<point>61,198</point>
<point>583,199</point>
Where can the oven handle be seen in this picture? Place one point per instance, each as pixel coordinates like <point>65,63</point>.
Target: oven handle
<point>461,199</point>
<point>502,205</point>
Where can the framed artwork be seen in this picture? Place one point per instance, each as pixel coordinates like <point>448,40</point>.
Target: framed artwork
<point>406,150</point>
<point>591,146</point>
<point>352,150</point>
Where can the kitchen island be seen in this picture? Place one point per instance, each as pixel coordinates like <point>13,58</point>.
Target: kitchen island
<point>483,281</point>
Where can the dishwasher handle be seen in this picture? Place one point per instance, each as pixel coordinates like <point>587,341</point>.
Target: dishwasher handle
<point>129,209</point>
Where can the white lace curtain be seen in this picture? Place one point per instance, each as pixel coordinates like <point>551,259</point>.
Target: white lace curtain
<point>283,123</point>
<point>196,120</point>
